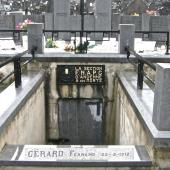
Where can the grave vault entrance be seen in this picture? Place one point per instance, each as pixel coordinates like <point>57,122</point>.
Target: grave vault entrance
<point>80,104</point>
<point>80,121</point>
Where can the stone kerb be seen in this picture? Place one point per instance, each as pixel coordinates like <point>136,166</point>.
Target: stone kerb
<point>126,37</point>
<point>161,108</point>
<point>36,37</point>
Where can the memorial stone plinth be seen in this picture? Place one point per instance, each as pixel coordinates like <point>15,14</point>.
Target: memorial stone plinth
<point>75,156</point>
<point>161,108</point>
<point>79,153</point>
<point>126,37</point>
<point>36,37</point>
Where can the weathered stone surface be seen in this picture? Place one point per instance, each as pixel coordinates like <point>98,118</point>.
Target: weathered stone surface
<point>161,114</point>
<point>7,22</point>
<point>145,22</point>
<point>134,112</point>
<point>36,37</point>
<point>86,92</point>
<point>49,24</point>
<point>23,116</point>
<point>80,121</point>
<point>103,17</point>
<point>136,20</point>
<point>116,18</point>
<point>126,37</point>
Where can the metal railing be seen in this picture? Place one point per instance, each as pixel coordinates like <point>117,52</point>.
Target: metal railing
<point>105,34</point>
<point>16,34</point>
<point>86,34</point>
<point>140,67</point>
<point>16,59</point>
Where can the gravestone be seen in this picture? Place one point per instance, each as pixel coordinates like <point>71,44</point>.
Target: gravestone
<point>72,156</point>
<point>79,153</point>
<point>7,23</point>
<point>18,17</point>
<point>145,25</point>
<point>102,17</point>
<point>89,25</point>
<point>145,22</point>
<point>101,20</point>
<point>48,24</point>
<point>158,23</point>
<point>168,21</point>
<point>62,18</point>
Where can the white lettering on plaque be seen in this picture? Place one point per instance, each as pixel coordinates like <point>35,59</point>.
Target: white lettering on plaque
<point>78,153</point>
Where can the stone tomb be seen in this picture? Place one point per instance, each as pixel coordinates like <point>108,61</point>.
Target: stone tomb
<point>75,155</point>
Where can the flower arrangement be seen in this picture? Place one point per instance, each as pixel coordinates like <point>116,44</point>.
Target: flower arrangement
<point>68,47</point>
<point>23,25</point>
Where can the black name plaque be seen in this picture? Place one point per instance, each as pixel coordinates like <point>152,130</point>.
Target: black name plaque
<point>81,74</point>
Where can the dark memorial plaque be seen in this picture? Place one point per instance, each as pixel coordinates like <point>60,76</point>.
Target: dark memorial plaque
<point>81,74</point>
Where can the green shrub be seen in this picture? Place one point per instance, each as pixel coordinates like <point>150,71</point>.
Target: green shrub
<point>82,47</point>
<point>50,44</point>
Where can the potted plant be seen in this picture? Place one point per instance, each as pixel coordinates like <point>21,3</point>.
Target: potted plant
<point>50,43</point>
<point>82,48</point>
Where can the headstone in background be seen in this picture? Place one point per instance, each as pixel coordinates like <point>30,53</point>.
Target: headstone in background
<point>48,24</point>
<point>62,18</point>
<point>7,22</point>
<point>102,17</point>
